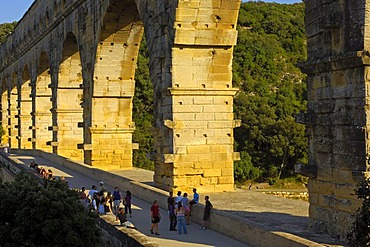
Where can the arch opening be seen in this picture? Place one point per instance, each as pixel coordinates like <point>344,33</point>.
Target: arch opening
<point>69,96</point>
<point>113,90</point>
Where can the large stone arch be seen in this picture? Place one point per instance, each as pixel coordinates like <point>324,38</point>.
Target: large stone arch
<point>69,96</point>
<point>111,126</point>
<point>190,45</point>
<point>191,49</point>
<point>41,98</point>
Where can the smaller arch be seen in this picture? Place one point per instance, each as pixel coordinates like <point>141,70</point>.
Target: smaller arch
<point>40,22</point>
<point>47,16</point>
<point>55,10</point>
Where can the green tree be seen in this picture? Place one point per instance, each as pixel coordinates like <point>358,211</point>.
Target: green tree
<point>5,30</point>
<point>50,215</point>
<point>359,234</point>
<point>143,111</point>
<point>271,42</point>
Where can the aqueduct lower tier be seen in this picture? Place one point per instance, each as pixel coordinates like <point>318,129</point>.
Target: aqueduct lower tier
<point>67,83</point>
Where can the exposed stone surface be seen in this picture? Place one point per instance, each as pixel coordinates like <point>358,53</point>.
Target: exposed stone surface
<point>338,110</point>
<point>67,82</point>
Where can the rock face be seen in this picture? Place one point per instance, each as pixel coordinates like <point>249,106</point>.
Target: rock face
<point>67,83</point>
<point>338,110</point>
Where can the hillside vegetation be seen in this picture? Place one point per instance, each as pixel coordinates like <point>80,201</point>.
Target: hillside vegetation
<point>272,91</point>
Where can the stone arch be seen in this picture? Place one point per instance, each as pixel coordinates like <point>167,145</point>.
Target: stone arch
<point>13,111</point>
<point>113,87</point>
<point>69,96</point>
<point>25,106</point>
<point>41,98</point>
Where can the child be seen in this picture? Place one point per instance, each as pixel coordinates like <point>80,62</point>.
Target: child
<point>207,212</point>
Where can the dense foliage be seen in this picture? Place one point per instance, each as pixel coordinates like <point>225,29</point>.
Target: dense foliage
<point>143,111</point>
<point>31,215</point>
<point>5,30</point>
<point>272,91</point>
<point>271,42</point>
<point>359,234</point>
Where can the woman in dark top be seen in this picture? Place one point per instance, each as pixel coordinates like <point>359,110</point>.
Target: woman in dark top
<point>128,198</point>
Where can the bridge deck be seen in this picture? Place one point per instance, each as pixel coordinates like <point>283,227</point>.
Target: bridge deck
<point>286,217</point>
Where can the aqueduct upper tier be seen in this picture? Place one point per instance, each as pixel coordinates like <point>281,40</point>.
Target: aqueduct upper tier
<point>67,84</point>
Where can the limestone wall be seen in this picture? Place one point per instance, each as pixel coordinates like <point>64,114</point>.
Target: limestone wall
<point>338,110</point>
<point>68,71</point>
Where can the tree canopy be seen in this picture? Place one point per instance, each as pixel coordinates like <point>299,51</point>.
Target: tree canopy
<point>272,89</point>
<point>5,30</point>
<point>50,215</point>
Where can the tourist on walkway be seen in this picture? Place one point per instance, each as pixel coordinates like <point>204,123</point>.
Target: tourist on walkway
<point>185,205</point>
<point>171,211</point>
<point>122,217</point>
<point>92,192</point>
<point>128,199</point>
<point>108,203</point>
<point>155,216</point>
<point>102,188</point>
<point>207,212</point>
<point>178,198</point>
<point>180,215</point>
<point>117,196</point>
<point>195,198</point>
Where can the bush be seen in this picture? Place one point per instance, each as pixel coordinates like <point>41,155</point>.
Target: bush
<point>244,169</point>
<point>359,234</point>
<point>50,215</point>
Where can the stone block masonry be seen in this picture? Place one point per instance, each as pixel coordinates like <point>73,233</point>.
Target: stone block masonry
<point>67,82</point>
<point>337,69</point>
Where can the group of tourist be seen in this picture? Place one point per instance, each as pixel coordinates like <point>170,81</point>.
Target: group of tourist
<point>179,208</point>
<point>179,212</point>
<point>102,201</point>
<point>41,171</point>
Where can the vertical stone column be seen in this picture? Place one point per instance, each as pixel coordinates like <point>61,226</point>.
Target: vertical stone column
<point>114,86</point>
<point>42,116</point>
<point>338,110</point>
<point>4,111</point>
<point>13,113</point>
<point>25,109</point>
<point>68,95</point>
<point>194,94</point>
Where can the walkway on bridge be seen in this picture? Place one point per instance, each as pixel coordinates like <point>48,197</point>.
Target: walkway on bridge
<point>141,211</point>
<point>286,217</point>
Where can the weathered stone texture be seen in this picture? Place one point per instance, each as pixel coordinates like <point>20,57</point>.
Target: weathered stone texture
<point>68,72</point>
<point>338,111</point>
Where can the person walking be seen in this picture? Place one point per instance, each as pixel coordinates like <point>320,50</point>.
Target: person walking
<point>155,216</point>
<point>207,213</point>
<point>171,211</point>
<point>116,199</point>
<point>180,215</point>
<point>128,199</point>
